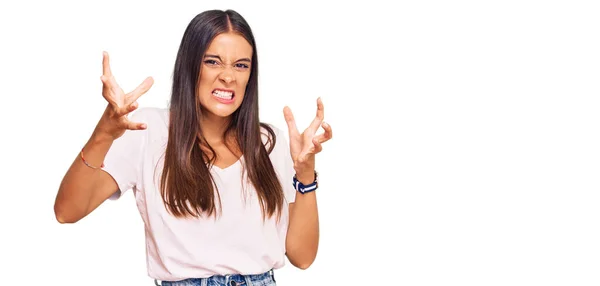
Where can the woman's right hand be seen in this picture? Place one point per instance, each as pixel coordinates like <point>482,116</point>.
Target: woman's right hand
<point>114,121</point>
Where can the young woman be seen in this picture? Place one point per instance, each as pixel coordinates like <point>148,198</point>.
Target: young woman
<point>224,198</point>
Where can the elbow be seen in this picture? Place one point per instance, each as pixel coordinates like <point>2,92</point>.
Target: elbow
<point>301,255</point>
<point>63,220</point>
<point>63,217</point>
<point>301,260</point>
<point>302,264</point>
<point>67,211</point>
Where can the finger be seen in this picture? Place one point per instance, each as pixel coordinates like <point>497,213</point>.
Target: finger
<point>136,125</point>
<point>141,89</point>
<point>122,111</point>
<point>324,137</point>
<point>318,147</point>
<point>112,83</point>
<point>320,115</point>
<point>106,65</point>
<point>106,86</point>
<point>291,122</point>
<point>109,83</point>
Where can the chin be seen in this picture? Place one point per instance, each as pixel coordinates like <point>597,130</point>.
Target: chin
<point>222,113</point>
<point>221,110</point>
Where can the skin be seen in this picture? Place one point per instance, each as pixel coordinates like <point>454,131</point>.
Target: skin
<point>302,241</point>
<point>226,65</point>
<point>83,188</point>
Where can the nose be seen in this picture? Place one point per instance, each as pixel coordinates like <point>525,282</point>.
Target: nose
<point>227,79</point>
<point>226,76</point>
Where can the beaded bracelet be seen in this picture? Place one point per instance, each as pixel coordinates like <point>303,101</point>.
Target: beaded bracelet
<point>86,163</point>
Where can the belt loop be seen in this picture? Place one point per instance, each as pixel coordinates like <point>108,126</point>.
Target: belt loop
<point>204,281</point>
<point>272,275</point>
<point>248,280</point>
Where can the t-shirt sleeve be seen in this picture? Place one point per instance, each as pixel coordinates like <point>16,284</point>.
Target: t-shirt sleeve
<point>285,164</point>
<point>123,160</point>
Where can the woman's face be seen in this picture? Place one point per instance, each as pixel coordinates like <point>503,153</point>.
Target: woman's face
<point>224,74</point>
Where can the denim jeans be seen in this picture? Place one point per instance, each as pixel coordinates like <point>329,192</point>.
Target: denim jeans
<point>264,279</point>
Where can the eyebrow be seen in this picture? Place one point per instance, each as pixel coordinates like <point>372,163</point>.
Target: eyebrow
<point>218,57</point>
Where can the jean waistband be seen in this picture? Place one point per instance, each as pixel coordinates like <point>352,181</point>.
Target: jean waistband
<point>267,278</point>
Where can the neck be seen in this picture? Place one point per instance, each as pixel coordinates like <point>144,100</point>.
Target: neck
<point>213,127</point>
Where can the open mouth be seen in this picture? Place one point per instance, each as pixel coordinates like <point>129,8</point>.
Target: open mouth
<point>224,95</point>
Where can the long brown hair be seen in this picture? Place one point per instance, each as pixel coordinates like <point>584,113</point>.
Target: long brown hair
<point>187,187</point>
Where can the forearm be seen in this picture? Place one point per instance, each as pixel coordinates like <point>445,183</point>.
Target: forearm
<point>303,233</point>
<point>75,191</point>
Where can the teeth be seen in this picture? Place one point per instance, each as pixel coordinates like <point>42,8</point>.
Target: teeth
<point>223,94</point>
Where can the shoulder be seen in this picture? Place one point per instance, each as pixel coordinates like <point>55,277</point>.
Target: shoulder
<point>157,119</point>
<point>273,138</point>
<point>269,132</point>
<point>153,114</point>
<point>266,127</point>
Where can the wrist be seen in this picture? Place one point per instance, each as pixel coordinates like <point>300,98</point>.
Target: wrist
<point>305,171</point>
<point>101,138</point>
<point>306,177</point>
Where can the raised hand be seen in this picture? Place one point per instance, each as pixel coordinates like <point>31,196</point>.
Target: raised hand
<point>114,122</point>
<point>304,146</point>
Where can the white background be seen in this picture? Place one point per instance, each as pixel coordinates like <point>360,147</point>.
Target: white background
<point>466,148</point>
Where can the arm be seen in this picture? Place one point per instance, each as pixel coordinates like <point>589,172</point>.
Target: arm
<point>84,188</point>
<point>302,239</point>
<point>303,232</point>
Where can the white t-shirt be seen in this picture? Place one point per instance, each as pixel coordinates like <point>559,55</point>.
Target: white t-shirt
<point>238,241</point>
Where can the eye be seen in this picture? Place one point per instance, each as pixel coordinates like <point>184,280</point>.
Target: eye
<point>241,66</point>
<point>211,62</point>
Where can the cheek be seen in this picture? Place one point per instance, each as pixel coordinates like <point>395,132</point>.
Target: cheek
<point>206,82</point>
<point>243,83</point>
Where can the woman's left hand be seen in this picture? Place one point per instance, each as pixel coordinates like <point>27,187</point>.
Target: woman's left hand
<point>304,146</point>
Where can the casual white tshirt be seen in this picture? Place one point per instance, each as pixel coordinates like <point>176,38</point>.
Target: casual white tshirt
<point>238,241</point>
